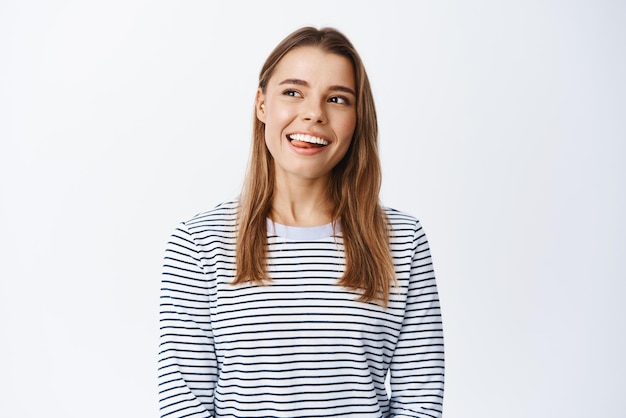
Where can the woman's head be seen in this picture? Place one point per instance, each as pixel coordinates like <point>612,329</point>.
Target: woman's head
<point>361,159</point>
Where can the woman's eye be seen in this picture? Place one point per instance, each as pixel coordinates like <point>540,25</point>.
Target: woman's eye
<point>339,100</point>
<point>292,93</point>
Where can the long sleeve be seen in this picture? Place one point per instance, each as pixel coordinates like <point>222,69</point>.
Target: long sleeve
<point>187,361</point>
<point>417,367</point>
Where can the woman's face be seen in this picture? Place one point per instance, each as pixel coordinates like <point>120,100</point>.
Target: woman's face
<point>309,111</point>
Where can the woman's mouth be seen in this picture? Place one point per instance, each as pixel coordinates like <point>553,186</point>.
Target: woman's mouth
<point>307,141</point>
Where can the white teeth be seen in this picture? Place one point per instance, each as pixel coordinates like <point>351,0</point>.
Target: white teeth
<point>308,138</point>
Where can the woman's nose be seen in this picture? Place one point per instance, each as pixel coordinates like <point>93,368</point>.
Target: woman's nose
<point>313,111</point>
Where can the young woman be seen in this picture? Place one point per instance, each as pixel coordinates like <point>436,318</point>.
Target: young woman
<point>298,298</point>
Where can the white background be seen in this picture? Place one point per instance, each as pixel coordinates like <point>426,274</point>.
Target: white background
<point>502,128</point>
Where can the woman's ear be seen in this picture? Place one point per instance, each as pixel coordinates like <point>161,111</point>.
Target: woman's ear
<point>260,105</point>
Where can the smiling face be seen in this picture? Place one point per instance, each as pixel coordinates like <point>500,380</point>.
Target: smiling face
<point>309,112</point>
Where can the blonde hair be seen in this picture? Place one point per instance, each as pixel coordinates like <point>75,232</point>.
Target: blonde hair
<point>354,186</point>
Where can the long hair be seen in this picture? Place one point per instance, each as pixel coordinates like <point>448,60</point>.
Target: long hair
<point>354,186</point>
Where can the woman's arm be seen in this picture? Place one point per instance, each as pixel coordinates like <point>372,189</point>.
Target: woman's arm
<point>187,363</point>
<point>417,367</point>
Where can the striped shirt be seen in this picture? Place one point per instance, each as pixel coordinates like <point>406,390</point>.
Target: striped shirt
<point>301,346</point>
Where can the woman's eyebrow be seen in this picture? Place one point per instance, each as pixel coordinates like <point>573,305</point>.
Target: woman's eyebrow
<point>295,81</point>
<point>343,89</point>
<point>299,82</point>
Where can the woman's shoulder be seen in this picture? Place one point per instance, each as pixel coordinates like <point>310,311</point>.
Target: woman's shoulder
<point>221,217</point>
<point>398,218</point>
<point>404,227</point>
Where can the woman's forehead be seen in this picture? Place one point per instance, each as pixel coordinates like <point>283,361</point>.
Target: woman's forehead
<point>314,65</point>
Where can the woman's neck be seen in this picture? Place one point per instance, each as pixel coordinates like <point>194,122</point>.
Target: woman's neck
<point>302,204</point>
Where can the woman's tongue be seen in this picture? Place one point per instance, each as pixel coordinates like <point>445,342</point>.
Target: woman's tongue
<point>303,144</point>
